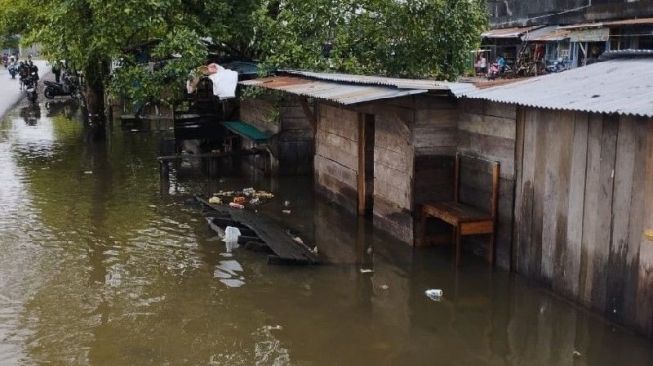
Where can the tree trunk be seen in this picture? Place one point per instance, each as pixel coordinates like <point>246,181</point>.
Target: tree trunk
<point>96,74</point>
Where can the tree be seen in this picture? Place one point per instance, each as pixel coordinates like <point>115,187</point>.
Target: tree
<point>92,34</point>
<point>416,38</point>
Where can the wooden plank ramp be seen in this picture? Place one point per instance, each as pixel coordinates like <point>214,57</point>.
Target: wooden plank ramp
<point>285,249</point>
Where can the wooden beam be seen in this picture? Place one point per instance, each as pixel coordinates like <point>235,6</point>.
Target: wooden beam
<point>361,165</point>
<point>310,115</point>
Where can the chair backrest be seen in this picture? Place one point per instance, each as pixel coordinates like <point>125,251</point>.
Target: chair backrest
<point>476,182</point>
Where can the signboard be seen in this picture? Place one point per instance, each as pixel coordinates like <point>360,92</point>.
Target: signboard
<point>590,35</point>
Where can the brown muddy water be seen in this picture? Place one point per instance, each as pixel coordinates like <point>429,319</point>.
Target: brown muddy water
<point>101,266</point>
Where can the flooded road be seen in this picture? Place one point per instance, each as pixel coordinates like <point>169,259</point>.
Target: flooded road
<point>101,266</point>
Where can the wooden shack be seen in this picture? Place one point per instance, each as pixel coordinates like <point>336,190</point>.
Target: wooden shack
<point>578,148</point>
<point>382,146</point>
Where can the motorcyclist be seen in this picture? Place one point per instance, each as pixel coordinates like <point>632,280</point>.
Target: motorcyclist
<point>33,69</point>
<point>23,72</point>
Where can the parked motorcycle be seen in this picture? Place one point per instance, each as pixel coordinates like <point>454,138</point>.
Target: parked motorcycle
<point>557,66</point>
<point>68,87</point>
<point>495,71</point>
<point>30,84</point>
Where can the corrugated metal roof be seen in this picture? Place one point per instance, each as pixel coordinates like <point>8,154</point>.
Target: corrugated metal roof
<point>425,84</point>
<point>547,34</point>
<point>514,32</point>
<point>614,23</point>
<point>346,94</point>
<point>623,86</point>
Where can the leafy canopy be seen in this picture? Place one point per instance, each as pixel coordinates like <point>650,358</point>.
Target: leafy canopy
<point>408,38</point>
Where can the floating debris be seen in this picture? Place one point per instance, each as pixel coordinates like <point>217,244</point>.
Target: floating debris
<point>236,205</point>
<point>215,200</point>
<point>366,270</point>
<point>434,294</point>
<point>88,172</point>
<point>287,212</point>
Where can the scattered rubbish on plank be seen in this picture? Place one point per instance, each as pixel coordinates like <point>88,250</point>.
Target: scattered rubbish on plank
<point>261,233</point>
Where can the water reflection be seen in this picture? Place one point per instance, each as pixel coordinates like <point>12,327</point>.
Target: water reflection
<point>103,268</point>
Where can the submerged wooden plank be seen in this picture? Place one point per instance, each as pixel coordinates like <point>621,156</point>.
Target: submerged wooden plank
<point>276,238</point>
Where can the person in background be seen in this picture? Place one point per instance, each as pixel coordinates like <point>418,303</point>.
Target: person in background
<point>482,64</point>
<point>56,70</point>
<point>501,62</point>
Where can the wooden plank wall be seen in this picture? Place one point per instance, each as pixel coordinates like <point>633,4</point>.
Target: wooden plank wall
<point>435,138</point>
<point>488,130</point>
<point>393,176</point>
<point>583,200</point>
<point>336,155</point>
<point>261,113</point>
<point>294,144</point>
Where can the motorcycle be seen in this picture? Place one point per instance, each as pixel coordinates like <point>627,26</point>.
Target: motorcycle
<point>495,71</point>
<point>31,83</point>
<point>13,70</point>
<point>69,87</point>
<point>557,66</point>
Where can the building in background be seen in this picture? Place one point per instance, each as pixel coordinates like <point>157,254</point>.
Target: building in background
<point>572,32</point>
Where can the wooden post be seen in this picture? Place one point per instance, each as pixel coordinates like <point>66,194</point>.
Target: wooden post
<point>361,165</point>
<point>456,178</point>
<point>310,115</point>
<point>494,206</point>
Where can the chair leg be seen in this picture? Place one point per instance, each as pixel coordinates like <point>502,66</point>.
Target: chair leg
<point>490,250</point>
<point>458,247</point>
<point>422,232</point>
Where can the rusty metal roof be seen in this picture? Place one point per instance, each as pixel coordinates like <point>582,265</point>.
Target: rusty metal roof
<point>547,34</point>
<point>613,23</point>
<point>622,86</point>
<point>346,94</point>
<point>514,32</point>
<point>424,84</point>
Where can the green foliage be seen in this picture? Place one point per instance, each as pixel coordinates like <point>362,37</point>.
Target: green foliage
<point>90,34</point>
<point>417,38</point>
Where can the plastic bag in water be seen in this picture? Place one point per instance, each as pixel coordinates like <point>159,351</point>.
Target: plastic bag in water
<point>231,234</point>
<point>434,294</point>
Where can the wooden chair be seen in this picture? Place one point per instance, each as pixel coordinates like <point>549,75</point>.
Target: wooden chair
<point>467,218</point>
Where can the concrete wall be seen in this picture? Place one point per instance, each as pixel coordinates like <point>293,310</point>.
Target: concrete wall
<point>551,12</point>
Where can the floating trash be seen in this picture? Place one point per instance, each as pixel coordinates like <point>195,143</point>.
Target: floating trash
<point>366,270</point>
<point>434,294</point>
<point>231,234</point>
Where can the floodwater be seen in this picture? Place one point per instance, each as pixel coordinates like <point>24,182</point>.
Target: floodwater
<point>102,265</point>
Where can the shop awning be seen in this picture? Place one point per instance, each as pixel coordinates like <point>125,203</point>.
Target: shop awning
<point>590,35</point>
<point>547,34</point>
<point>514,32</point>
<point>246,130</point>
